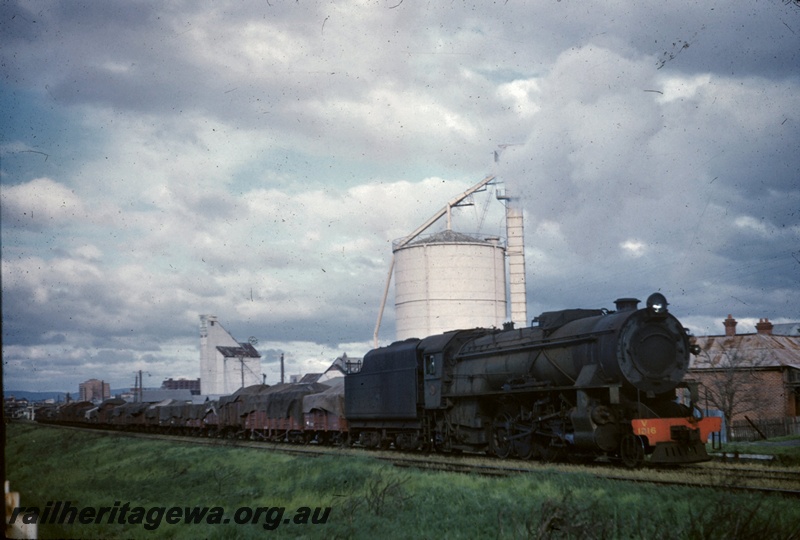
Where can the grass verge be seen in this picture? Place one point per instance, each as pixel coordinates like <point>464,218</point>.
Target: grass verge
<point>785,450</point>
<point>366,498</point>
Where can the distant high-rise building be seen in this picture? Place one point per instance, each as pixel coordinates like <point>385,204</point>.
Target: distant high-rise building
<point>94,390</point>
<point>225,364</point>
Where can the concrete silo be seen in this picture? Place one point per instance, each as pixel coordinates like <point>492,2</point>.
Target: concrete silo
<point>450,280</point>
<point>447,281</point>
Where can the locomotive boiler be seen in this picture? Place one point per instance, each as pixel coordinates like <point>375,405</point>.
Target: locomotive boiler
<point>581,383</point>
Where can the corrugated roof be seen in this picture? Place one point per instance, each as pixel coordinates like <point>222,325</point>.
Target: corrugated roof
<point>786,329</point>
<point>245,350</point>
<point>310,378</point>
<point>746,350</point>
<point>161,394</point>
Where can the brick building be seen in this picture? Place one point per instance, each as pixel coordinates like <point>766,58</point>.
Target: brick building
<point>753,378</point>
<point>193,385</point>
<point>94,390</point>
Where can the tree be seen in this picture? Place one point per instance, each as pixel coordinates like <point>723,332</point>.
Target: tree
<point>730,381</point>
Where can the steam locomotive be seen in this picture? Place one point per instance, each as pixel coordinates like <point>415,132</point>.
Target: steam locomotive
<point>583,384</point>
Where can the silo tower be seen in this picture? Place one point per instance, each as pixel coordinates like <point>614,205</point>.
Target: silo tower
<point>446,281</point>
<point>450,280</point>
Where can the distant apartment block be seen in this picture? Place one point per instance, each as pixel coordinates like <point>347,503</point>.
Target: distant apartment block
<point>94,390</point>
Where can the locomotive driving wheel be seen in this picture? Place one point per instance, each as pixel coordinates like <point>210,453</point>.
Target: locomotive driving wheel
<point>524,447</point>
<point>544,450</point>
<point>631,450</point>
<point>501,444</point>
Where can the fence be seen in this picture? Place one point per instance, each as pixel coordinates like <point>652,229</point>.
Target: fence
<point>757,429</point>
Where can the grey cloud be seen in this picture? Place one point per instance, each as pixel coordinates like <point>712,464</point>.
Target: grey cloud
<point>657,152</point>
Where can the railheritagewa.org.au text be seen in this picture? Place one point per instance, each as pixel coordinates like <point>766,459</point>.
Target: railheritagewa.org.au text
<point>153,517</point>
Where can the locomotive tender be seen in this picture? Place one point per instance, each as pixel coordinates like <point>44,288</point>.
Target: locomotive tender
<point>583,383</point>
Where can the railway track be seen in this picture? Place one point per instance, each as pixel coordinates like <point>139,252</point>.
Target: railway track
<point>764,479</point>
<point>731,476</point>
<point>784,482</point>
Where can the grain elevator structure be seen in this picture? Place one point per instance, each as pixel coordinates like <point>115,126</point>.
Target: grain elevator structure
<point>448,280</point>
<point>451,280</point>
<point>225,364</point>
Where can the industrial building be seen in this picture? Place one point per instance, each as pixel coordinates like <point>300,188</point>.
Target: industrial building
<point>225,364</point>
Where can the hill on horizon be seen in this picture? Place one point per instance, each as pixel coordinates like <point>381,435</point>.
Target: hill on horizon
<point>58,396</point>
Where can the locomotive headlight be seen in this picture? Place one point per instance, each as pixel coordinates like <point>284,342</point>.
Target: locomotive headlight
<point>657,304</point>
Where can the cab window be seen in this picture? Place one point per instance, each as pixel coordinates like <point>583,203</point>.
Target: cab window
<point>430,365</point>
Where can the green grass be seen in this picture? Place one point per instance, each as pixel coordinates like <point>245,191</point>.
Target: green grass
<point>368,498</point>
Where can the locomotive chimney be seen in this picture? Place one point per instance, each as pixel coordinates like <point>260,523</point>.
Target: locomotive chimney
<point>730,326</point>
<point>764,327</point>
<point>627,304</point>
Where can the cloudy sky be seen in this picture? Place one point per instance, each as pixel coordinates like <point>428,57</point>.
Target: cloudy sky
<point>255,159</point>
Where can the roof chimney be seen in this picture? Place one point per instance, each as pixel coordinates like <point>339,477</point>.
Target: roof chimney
<point>764,327</point>
<point>730,326</point>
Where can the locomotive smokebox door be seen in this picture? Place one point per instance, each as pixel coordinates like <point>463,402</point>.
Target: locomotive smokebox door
<point>432,366</point>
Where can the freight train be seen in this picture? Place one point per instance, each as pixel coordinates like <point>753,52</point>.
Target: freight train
<point>580,384</point>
